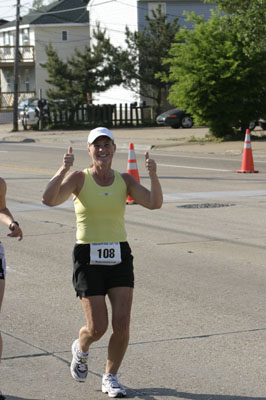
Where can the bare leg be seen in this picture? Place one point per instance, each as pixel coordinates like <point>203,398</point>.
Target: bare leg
<point>121,301</point>
<point>96,321</point>
<point>2,290</point>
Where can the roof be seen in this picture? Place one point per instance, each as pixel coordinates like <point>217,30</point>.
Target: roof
<point>58,12</point>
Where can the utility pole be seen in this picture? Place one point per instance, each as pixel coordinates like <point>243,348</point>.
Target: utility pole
<point>15,103</point>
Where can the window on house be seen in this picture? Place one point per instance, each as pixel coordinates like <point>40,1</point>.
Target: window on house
<point>8,82</point>
<point>27,80</point>
<point>27,84</point>
<point>25,35</point>
<point>64,35</point>
<point>154,6</point>
<point>7,42</point>
<point>6,37</point>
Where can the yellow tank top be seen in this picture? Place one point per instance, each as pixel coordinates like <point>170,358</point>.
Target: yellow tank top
<point>100,211</point>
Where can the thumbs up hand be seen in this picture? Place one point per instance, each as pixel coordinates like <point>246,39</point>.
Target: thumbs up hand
<point>150,164</point>
<point>68,159</point>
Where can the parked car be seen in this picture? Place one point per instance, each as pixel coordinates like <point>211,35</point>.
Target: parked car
<point>262,124</point>
<point>32,101</point>
<point>175,118</point>
<point>29,111</point>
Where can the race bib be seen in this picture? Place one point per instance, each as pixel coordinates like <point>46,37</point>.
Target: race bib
<point>105,253</point>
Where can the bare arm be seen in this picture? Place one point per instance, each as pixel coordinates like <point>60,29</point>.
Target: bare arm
<point>151,199</point>
<point>5,215</point>
<point>61,186</point>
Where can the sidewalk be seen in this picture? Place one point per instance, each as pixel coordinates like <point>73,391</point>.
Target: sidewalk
<point>146,139</point>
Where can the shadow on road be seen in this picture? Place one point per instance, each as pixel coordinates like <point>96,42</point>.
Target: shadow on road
<point>10,397</point>
<point>155,393</point>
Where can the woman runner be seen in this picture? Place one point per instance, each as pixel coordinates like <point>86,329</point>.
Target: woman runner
<point>15,231</point>
<point>102,259</point>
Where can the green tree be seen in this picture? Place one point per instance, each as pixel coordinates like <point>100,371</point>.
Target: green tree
<point>249,19</point>
<point>87,72</point>
<point>142,59</point>
<point>60,76</point>
<point>231,6</point>
<point>95,69</point>
<point>213,78</point>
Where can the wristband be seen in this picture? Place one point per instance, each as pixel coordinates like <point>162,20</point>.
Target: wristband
<point>13,222</point>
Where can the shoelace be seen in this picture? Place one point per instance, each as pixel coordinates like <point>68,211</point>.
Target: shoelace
<point>82,367</point>
<point>113,381</point>
<point>82,361</point>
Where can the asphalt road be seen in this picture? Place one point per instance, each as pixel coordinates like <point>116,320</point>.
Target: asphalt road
<point>198,324</point>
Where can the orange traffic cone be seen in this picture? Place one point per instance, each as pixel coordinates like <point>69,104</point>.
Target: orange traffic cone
<point>132,168</point>
<point>247,160</point>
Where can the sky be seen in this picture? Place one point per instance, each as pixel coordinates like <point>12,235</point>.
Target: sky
<point>8,8</point>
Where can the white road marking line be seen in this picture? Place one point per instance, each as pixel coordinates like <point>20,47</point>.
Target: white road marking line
<point>187,167</point>
<point>214,195</point>
<point>15,167</point>
<point>19,207</point>
<point>10,269</point>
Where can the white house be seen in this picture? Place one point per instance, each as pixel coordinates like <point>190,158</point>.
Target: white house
<point>115,15</point>
<point>64,24</point>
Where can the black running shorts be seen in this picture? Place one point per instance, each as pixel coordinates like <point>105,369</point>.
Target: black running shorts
<point>2,262</point>
<point>95,280</point>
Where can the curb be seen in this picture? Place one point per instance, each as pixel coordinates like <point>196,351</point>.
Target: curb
<point>17,140</point>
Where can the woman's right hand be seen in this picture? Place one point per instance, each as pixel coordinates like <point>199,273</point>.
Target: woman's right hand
<point>61,186</point>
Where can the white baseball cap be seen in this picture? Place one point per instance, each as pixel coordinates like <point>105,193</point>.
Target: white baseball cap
<point>97,132</point>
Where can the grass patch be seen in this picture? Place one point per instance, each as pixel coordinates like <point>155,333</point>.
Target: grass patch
<point>208,138</point>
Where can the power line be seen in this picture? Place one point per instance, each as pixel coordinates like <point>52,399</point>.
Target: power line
<point>145,9</point>
<point>54,12</point>
<point>93,25</point>
<point>41,13</point>
<point>104,2</point>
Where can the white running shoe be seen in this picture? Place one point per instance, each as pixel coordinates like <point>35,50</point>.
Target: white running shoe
<point>111,386</point>
<point>79,366</point>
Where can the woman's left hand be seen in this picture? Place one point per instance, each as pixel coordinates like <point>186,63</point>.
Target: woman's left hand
<point>150,164</point>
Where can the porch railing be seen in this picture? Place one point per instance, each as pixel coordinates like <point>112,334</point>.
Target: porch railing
<point>7,98</point>
<point>26,54</point>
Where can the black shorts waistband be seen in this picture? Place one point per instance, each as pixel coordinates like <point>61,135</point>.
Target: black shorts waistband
<point>125,248</point>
